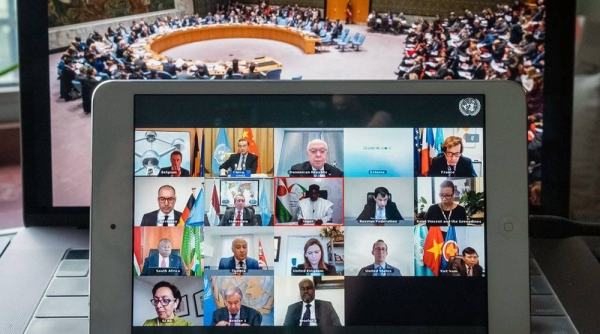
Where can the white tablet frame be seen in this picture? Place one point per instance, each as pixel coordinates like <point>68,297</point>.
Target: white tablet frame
<point>507,252</point>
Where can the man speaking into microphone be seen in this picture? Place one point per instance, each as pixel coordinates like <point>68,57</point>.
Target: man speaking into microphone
<point>175,170</point>
<point>311,311</point>
<point>242,160</point>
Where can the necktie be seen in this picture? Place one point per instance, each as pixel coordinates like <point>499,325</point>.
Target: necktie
<point>163,263</point>
<point>469,271</point>
<point>166,221</point>
<point>241,265</point>
<point>377,271</point>
<point>238,218</point>
<point>243,162</point>
<point>232,321</point>
<point>379,213</point>
<point>306,316</point>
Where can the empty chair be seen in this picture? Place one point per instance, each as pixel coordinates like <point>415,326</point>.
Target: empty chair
<point>343,43</point>
<point>345,33</point>
<point>355,38</point>
<point>326,41</point>
<point>103,76</point>
<point>165,75</point>
<point>360,42</point>
<point>274,74</point>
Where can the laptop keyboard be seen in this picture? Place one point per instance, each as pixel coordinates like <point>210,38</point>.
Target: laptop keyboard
<point>64,308</point>
<point>65,305</point>
<point>547,313</point>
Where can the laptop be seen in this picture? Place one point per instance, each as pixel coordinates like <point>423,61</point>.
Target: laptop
<point>355,138</point>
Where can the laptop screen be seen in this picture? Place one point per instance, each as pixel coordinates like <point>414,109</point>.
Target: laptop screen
<point>335,210</point>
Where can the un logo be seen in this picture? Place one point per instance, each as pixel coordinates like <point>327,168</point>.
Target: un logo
<point>220,151</point>
<point>469,106</point>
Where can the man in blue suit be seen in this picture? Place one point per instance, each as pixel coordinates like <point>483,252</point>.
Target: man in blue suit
<point>164,263</point>
<point>234,313</point>
<point>239,262</point>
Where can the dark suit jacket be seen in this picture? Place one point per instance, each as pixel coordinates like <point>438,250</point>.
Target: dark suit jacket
<point>324,313</point>
<point>459,265</point>
<point>229,218</point>
<point>174,262</point>
<point>391,212</point>
<point>166,172</point>
<point>330,271</point>
<point>150,218</point>
<point>229,263</point>
<point>247,314</point>
<point>306,167</point>
<point>395,271</point>
<point>251,162</point>
<point>464,167</point>
<point>252,76</point>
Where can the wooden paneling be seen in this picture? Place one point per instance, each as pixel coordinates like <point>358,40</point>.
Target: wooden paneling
<point>432,7</point>
<point>360,11</point>
<point>151,235</point>
<point>336,10</point>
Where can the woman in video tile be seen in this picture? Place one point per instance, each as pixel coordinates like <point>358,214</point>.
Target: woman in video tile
<point>446,212</point>
<point>166,298</point>
<point>313,261</point>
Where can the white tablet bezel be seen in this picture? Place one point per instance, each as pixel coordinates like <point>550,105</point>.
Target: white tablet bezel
<point>507,271</point>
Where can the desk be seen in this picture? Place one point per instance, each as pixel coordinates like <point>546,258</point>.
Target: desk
<point>203,33</point>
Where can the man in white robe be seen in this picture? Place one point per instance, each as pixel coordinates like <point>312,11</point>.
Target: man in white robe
<point>314,209</point>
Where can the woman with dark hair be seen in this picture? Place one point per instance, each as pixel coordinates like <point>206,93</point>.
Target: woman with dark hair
<point>313,261</point>
<point>446,212</point>
<point>165,299</point>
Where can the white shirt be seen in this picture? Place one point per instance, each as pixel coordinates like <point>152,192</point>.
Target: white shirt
<point>161,218</point>
<point>319,209</point>
<point>312,313</point>
<point>242,158</point>
<point>160,261</point>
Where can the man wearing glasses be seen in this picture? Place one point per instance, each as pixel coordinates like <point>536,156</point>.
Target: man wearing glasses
<point>165,215</point>
<point>379,267</point>
<point>317,165</point>
<point>451,163</point>
<point>239,215</point>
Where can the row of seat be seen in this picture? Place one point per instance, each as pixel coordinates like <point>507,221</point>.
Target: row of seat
<point>345,40</point>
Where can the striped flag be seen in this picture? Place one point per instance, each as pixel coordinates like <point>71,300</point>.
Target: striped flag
<point>427,146</point>
<point>137,250</point>
<point>215,208</point>
<point>186,211</point>
<point>283,209</point>
<point>262,260</point>
<point>418,140</point>
<point>196,217</point>
<point>252,148</point>
<point>198,156</point>
<point>432,249</point>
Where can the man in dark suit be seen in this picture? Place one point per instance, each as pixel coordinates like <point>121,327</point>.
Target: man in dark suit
<point>251,74</point>
<point>379,267</point>
<point>234,313</point>
<point>242,160</point>
<point>238,215</point>
<point>468,265</point>
<point>239,262</point>
<point>451,163</point>
<point>380,208</point>
<point>317,165</point>
<point>310,311</point>
<point>175,170</point>
<point>172,264</point>
<point>165,215</point>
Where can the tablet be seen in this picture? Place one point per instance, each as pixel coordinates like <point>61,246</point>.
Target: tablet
<point>360,204</point>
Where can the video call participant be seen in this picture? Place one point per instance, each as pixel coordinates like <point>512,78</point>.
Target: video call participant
<point>379,266</point>
<point>313,265</point>
<point>451,162</point>
<point>172,264</point>
<point>317,165</point>
<point>381,208</point>
<point>165,215</point>
<point>310,311</point>
<point>239,215</point>
<point>165,299</point>
<point>242,160</point>
<point>315,209</point>
<point>468,265</point>
<point>234,313</point>
<point>239,263</point>
<point>175,170</point>
<point>446,212</point>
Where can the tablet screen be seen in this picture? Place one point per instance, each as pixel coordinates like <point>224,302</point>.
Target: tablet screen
<point>309,210</point>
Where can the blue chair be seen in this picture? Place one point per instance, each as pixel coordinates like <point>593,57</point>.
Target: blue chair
<point>322,32</point>
<point>355,38</point>
<point>77,85</point>
<point>321,24</point>
<point>345,33</point>
<point>344,43</point>
<point>104,76</point>
<point>237,76</point>
<point>298,77</point>
<point>165,75</point>
<point>360,42</point>
<point>274,74</point>
<point>326,41</point>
